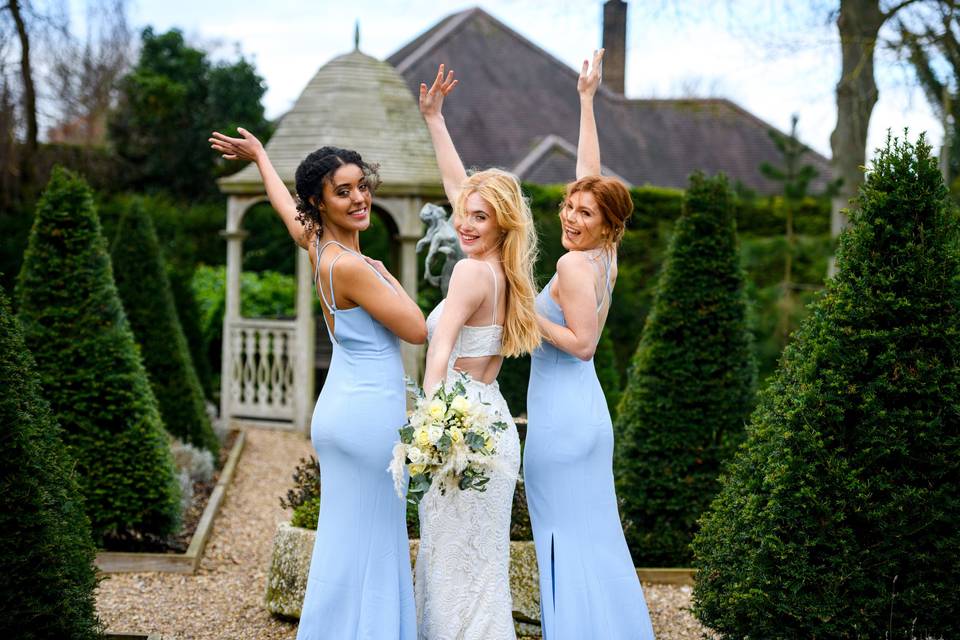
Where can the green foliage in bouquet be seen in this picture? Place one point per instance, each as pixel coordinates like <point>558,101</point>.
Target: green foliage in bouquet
<point>46,552</point>
<point>141,278</point>
<point>691,383</point>
<point>454,419</point>
<point>840,515</point>
<point>90,369</point>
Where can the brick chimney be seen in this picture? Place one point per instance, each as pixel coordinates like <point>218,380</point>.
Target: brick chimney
<point>615,44</point>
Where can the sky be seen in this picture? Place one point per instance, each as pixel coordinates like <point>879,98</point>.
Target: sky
<point>774,57</point>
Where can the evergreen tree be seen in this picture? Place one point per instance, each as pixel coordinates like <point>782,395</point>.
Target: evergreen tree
<point>840,515</point>
<point>169,103</point>
<point>90,369</point>
<point>46,552</point>
<point>144,288</point>
<point>188,311</point>
<point>690,385</point>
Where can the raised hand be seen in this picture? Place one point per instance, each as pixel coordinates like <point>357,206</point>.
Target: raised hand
<point>590,78</point>
<point>245,148</point>
<point>431,101</point>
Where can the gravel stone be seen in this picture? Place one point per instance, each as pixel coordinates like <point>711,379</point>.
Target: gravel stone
<point>225,598</point>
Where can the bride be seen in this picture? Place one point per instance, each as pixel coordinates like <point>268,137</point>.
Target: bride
<point>462,584</point>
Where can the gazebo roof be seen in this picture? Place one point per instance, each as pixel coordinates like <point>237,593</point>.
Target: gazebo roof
<point>356,102</point>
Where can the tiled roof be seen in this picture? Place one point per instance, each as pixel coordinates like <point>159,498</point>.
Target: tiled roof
<point>356,102</point>
<point>513,95</point>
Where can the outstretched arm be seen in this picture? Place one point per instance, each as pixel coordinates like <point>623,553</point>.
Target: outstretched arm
<point>249,148</point>
<point>431,106</point>
<point>588,147</point>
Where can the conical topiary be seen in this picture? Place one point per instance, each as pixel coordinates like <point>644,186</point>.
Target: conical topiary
<point>46,553</point>
<point>840,516</point>
<point>690,386</point>
<point>188,311</point>
<point>141,278</point>
<point>90,369</point>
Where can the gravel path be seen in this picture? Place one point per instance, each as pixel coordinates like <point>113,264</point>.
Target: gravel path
<point>225,597</point>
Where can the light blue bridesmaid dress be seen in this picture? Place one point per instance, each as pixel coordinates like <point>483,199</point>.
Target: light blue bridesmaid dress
<point>588,584</point>
<point>360,584</point>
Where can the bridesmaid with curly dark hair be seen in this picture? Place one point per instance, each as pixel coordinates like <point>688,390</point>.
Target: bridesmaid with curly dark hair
<point>360,583</point>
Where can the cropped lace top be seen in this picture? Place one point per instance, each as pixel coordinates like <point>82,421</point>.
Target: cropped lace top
<point>472,342</point>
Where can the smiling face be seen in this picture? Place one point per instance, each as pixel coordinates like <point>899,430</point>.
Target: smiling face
<point>477,227</point>
<point>584,227</point>
<point>347,199</point>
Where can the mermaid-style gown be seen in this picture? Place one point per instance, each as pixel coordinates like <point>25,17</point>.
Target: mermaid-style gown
<point>360,585</point>
<point>588,584</point>
<point>463,565</point>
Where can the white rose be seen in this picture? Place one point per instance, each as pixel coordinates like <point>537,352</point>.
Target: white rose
<point>436,409</point>
<point>460,404</point>
<point>434,432</point>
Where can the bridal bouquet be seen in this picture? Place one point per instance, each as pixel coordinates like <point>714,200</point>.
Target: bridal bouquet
<point>448,438</point>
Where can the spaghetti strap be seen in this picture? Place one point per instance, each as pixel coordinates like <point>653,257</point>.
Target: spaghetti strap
<point>332,304</point>
<point>494,274</point>
<point>608,264</point>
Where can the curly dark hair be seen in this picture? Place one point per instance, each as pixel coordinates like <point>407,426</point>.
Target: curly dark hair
<point>319,167</point>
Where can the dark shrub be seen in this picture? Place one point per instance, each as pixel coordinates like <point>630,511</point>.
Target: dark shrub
<point>840,515</point>
<point>90,369</point>
<point>690,386</point>
<point>46,553</point>
<point>141,278</point>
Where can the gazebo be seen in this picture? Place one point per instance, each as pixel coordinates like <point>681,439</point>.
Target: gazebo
<point>356,102</point>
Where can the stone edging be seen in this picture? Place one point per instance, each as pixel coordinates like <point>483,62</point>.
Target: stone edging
<point>127,562</point>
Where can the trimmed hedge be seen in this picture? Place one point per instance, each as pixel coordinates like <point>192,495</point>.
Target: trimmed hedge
<point>840,515</point>
<point>90,369</point>
<point>691,383</point>
<point>46,552</point>
<point>142,282</point>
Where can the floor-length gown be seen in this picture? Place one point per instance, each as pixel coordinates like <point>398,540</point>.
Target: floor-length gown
<point>588,584</point>
<point>360,584</point>
<point>463,565</point>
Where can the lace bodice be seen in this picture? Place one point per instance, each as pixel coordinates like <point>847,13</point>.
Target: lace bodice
<point>472,341</point>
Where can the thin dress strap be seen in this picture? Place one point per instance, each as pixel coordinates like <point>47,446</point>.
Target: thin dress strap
<point>332,304</point>
<point>494,274</point>
<point>608,264</point>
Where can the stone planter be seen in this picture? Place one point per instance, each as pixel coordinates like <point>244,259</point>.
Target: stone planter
<point>293,546</point>
<point>290,563</point>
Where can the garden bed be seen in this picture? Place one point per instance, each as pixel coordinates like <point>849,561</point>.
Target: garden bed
<point>180,553</point>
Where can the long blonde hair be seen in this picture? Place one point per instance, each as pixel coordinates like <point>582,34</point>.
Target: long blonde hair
<point>518,250</point>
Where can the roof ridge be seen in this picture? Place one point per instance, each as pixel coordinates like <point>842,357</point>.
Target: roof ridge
<point>455,20</point>
<point>458,19</point>
<point>554,141</point>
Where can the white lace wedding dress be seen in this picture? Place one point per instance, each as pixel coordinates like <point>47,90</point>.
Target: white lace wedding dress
<point>462,576</point>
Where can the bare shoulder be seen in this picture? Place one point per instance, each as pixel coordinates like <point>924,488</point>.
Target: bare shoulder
<point>349,266</point>
<point>469,269</point>
<point>572,262</point>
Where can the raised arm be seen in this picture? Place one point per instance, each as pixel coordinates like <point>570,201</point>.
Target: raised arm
<point>463,300</point>
<point>431,106</point>
<point>575,290</point>
<point>588,146</point>
<point>249,148</point>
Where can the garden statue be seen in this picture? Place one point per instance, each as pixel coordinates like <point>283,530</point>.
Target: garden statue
<point>442,239</point>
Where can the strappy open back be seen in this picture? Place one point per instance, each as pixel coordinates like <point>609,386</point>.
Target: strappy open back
<point>331,304</point>
<point>548,307</point>
<point>473,341</point>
